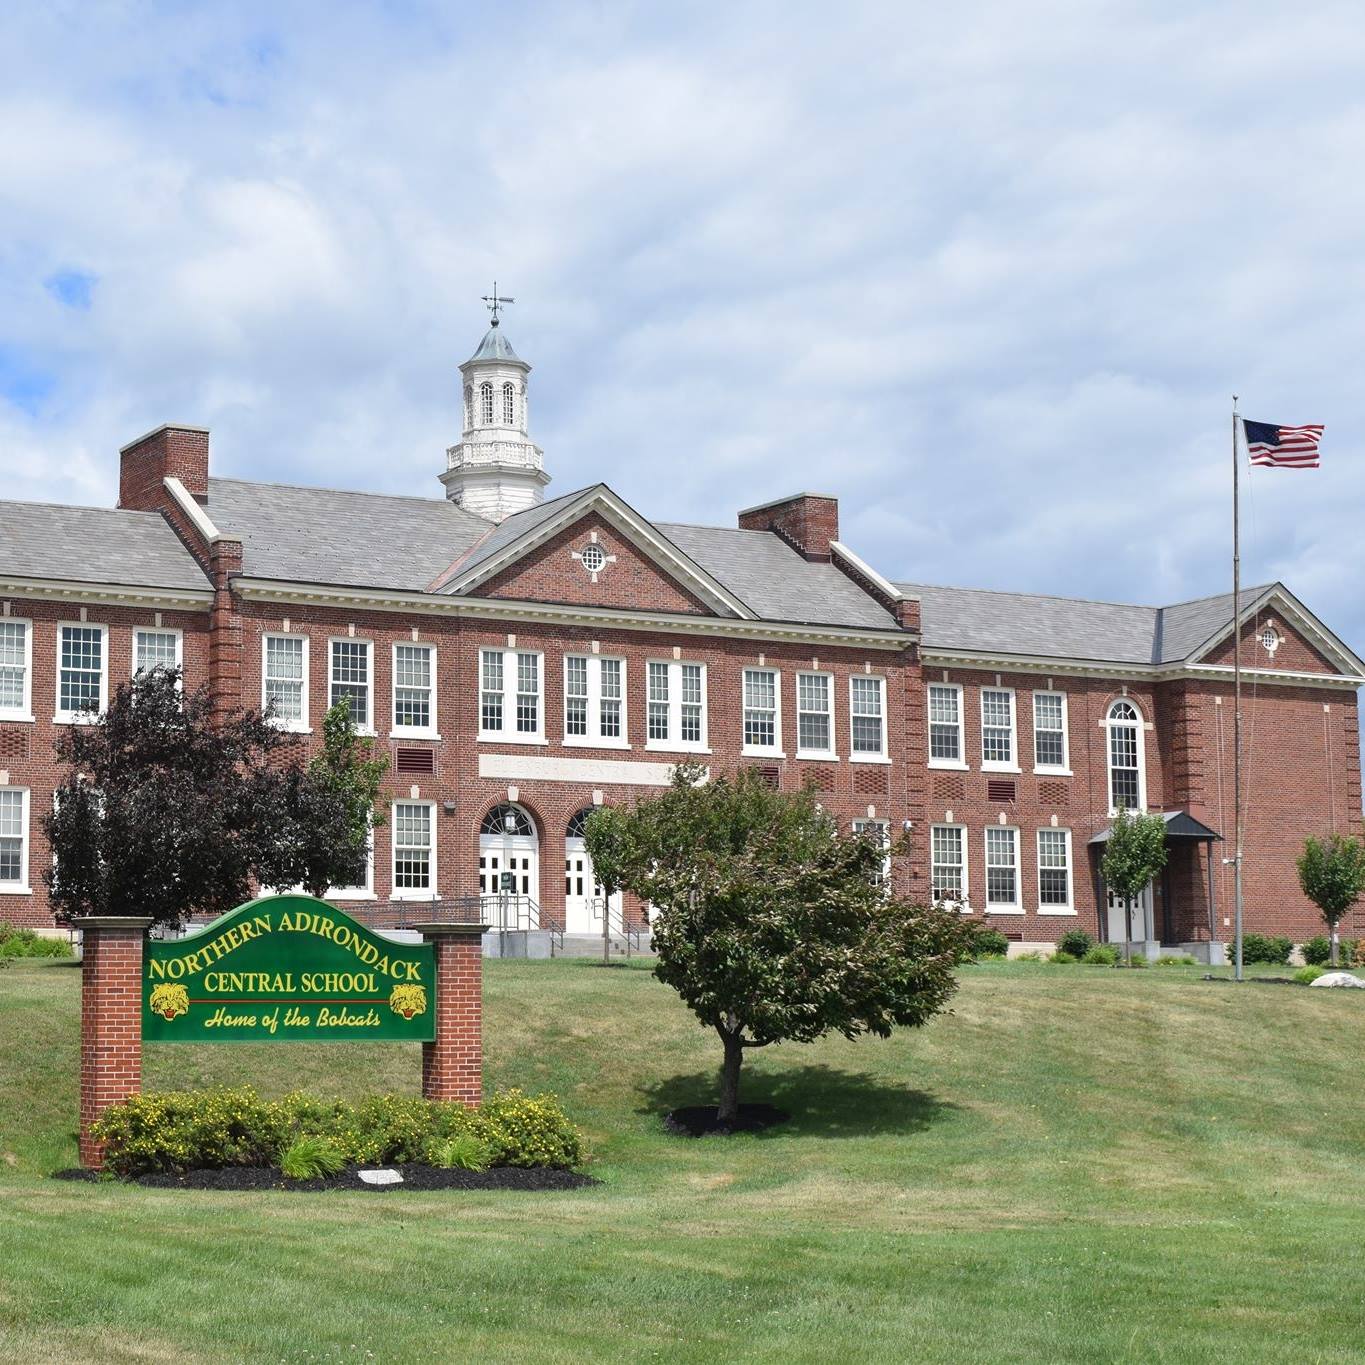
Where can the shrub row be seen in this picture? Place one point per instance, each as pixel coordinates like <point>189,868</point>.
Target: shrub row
<point>179,1130</point>
<point>1317,952</point>
<point>17,942</point>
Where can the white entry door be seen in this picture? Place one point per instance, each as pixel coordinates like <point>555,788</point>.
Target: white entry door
<point>508,844</point>
<point>584,898</point>
<point>1138,926</point>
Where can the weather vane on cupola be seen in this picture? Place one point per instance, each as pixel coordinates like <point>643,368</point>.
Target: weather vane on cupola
<point>494,301</point>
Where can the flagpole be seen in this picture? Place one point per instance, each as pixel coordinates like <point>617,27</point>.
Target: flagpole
<point>1236,697</point>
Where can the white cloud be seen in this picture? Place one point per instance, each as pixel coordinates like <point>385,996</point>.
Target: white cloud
<point>990,272</point>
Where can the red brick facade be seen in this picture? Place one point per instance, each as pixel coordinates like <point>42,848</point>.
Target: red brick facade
<point>452,1066</point>
<point>1302,769</point>
<point>111,1022</point>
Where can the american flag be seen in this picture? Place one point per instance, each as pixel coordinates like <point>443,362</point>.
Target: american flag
<point>1283,447</point>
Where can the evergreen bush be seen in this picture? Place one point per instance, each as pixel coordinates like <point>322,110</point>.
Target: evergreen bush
<point>1102,955</point>
<point>1076,942</point>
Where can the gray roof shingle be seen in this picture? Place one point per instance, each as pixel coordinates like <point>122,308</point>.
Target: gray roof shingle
<point>94,545</point>
<point>982,621</point>
<point>772,579</point>
<point>320,535</point>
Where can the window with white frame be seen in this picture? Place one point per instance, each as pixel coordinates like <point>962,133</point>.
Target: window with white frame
<point>867,718</point>
<point>879,831</point>
<point>16,670</point>
<point>814,715</point>
<point>594,700</point>
<point>364,888</point>
<point>1002,868</point>
<point>945,724</point>
<point>762,726</point>
<point>1127,776</point>
<point>948,864</point>
<point>414,850</point>
<point>1050,747</point>
<point>509,405</point>
<point>511,701</point>
<point>1054,870</point>
<point>13,839</point>
<point>153,649</point>
<point>997,727</point>
<point>414,690</point>
<point>351,678</point>
<point>486,402</point>
<point>82,677</point>
<point>675,705</point>
<point>284,679</point>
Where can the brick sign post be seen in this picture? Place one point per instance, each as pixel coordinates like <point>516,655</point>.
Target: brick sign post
<point>111,1020</point>
<point>279,969</point>
<point>452,1065</point>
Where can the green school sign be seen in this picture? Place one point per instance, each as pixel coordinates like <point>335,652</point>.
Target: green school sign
<point>288,969</point>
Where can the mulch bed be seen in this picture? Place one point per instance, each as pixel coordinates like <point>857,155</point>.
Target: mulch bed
<point>414,1178</point>
<point>699,1120</point>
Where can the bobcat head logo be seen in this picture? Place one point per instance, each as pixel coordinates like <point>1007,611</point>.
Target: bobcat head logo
<point>408,1000</point>
<point>168,1001</point>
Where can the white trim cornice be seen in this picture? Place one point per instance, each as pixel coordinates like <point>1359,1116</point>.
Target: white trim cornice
<point>861,566</point>
<point>108,594</point>
<point>1100,668</point>
<point>509,609</point>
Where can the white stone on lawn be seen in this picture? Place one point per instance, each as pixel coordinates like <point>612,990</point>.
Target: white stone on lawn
<point>386,1177</point>
<point>1338,979</point>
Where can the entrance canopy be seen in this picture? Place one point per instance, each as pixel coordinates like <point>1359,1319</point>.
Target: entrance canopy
<point>1180,824</point>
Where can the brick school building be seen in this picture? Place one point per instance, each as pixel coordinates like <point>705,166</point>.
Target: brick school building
<point>523,659</point>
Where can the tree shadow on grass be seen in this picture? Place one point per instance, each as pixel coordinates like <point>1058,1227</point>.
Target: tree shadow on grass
<point>822,1101</point>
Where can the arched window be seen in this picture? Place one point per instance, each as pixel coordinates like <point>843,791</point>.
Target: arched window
<point>508,819</point>
<point>1127,778</point>
<point>486,397</point>
<point>468,405</point>
<point>578,823</point>
<point>509,405</point>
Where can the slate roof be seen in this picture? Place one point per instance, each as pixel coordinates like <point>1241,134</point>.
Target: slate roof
<point>361,540</point>
<point>982,621</point>
<point>497,535</point>
<point>94,545</point>
<point>776,582</point>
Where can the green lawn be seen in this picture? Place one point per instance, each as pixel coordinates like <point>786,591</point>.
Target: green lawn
<point>1078,1164</point>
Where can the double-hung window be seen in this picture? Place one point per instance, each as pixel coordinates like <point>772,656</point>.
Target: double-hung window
<point>948,864</point>
<point>1127,775</point>
<point>1054,872</point>
<point>82,671</point>
<point>284,679</point>
<point>511,696</point>
<point>997,729</point>
<point>414,850</point>
<point>351,679</point>
<point>153,649</point>
<point>675,706</point>
<point>867,718</point>
<point>594,701</point>
<point>879,831</point>
<point>814,715</point>
<point>414,690</point>
<point>13,839</point>
<point>945,726</point>
<point>1049,732</point>
<point>1002,868</point>
<point>16,670</point>
<point>762,718</point>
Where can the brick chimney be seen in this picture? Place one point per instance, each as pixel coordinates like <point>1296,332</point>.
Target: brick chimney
<point>806,521</point>
<point>171,451</point>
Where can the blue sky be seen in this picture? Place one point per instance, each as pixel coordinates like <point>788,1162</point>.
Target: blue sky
<point>990,272</point>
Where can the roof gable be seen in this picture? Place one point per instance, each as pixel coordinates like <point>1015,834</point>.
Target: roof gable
<point>520,550</point>
<point>1307,645</point>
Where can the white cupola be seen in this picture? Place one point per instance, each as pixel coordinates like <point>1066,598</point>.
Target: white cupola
<point>496,469</point>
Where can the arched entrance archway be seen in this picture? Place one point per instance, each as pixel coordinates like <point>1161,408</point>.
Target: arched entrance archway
<point>509,855</point>
<point>584,899</point>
